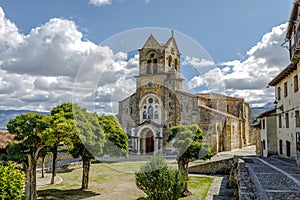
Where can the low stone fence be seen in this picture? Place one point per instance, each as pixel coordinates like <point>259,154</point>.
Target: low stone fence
<point>213,167</point>
<point>246,188</point>
<point>239,175</point>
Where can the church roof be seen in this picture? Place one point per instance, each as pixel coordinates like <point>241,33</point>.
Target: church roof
<point>218,96</point>
<point>172,41</point>
<point>186,93</point>
<point>152,43</point>
<point>218,112</point>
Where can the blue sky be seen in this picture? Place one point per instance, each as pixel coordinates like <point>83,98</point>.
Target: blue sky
<point>45,44</point>
<point>226,29</point>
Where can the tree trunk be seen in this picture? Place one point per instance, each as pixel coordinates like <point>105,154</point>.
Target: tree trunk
<point>43,166</point>
<point>183,164</point>
<point>30,188</point>
<point>28,181</point>
<point>54,152</point>
<point>86,163</point>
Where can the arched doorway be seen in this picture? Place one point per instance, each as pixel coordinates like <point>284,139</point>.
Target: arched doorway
<point>147,141</point>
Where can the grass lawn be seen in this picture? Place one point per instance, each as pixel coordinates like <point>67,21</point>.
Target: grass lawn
<point>199,187</point>
<point>111,181</point>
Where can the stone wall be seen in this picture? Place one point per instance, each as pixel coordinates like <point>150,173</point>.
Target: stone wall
<point>246,188</point>
<point>239,176</point>
<point>215,167</point>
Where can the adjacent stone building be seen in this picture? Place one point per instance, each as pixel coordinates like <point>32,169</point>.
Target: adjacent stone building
<point>160,103</point>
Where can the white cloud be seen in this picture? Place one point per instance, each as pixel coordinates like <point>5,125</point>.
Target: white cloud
<point>197,62</point>
<point>54,64</point>
<point>56,48</point>
<point>9,35</point>
<point>211,80</point>
<point>248,79</point>
<point>100,2</point>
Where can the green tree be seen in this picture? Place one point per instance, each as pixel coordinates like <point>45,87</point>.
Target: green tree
<point>80,130</point>
<point>61,128</point>
<point>188,141</point>
<point>159,181</point>
<point>116,140</point>
<point>12,182</point>
<point>89,141</point>
<point>28,129</point>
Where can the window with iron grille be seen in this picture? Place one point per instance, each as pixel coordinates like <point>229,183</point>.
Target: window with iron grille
<point>297,118</point>
<point>278,93</point>
<point>279,121</point>
<point>296,84</point>
<point>287,120</point>
<point>285,89</point>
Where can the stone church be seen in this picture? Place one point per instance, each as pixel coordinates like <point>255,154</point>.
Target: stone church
<point>160,103</point>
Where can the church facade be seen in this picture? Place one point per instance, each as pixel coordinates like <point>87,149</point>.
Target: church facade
<point>159,103</point>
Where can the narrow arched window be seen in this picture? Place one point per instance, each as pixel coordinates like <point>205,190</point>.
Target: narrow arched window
<point>150,112</point>
<point>144,115</point>
<point>176,64</point>
<point>169,61</point>
<point>156,116</point>
<point>149,67</point>
<point>155,66</point>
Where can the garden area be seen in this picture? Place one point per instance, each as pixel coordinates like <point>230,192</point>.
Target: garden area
<point>111,181</point>
<point>86,136</point>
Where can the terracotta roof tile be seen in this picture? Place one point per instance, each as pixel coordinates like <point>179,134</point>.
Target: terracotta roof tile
<point>5,138</point>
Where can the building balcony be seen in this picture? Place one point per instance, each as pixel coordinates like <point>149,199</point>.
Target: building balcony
<point>295,49</point>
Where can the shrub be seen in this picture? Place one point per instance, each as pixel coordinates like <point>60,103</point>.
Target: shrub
<point>159,181</point>
<point>12,182</point>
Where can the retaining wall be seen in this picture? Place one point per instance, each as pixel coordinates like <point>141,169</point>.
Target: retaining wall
<point>239,176</point>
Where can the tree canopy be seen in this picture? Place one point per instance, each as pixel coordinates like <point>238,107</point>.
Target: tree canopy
<point>86,135</point>
<point>87,138</point>
<point>188,141</point>
<point>28,129</point>
<point>116,140</point>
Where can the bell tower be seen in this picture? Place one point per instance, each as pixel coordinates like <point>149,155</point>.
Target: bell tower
<point>160,64</point>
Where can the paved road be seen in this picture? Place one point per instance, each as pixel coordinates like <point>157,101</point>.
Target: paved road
<point>274,177</point>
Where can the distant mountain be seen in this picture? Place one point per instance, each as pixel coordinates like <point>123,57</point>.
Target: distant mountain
<point>256,111</point>
<point>6,115</point>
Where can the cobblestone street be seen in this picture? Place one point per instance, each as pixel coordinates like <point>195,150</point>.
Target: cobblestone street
<point>274,177</point>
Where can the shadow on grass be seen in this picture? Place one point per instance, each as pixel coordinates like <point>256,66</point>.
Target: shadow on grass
<point>65,194</point>
<point>65,170</point>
